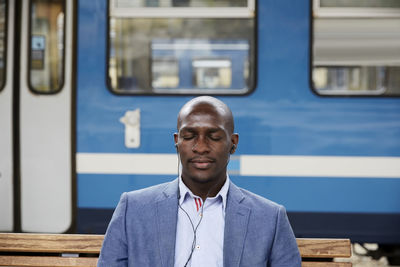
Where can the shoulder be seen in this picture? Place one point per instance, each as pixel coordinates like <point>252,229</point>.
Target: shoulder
<point>258,200</point>
<point>260,206</point>
<point>150,195</point>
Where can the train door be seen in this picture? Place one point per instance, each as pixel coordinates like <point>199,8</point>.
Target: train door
<point>42,97</point>
<point>6,155</point>
<point>45,116</point>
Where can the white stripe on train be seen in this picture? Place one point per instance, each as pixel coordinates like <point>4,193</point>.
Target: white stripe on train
<point>249,165</point>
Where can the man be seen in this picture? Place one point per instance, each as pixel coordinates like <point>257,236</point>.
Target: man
<point>201,218</point>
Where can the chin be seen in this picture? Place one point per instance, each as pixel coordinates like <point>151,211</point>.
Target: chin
<point>202,176</point>
<point>202,179</point>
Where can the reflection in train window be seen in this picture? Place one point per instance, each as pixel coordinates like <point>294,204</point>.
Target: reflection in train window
<point>3,39</point>
<point>154,46</point>
<point>356,49</point>
<point>165,73</point>
<point>358,3</point>
<point>46,64</point>
<point>212,73</point>
<point>181,3</point>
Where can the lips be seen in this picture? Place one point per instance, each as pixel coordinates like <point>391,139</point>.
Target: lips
<point>201,163</point>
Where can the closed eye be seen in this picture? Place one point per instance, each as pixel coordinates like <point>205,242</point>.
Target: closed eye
<point>215,138</point>
<point>187,137</point>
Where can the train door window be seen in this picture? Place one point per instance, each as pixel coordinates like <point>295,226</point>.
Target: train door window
<point>158,47</point>
<point>356,47</point>
<point>3,39</point>
<point>165,73</point>
<point>46,53</point>
<point>212,73</point>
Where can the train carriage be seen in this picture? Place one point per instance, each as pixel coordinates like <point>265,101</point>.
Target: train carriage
<point>91,90</point>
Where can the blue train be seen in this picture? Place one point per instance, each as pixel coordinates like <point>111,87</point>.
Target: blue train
<point>90,92</point>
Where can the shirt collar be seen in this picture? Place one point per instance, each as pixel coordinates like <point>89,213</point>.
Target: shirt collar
<point>185,191</point>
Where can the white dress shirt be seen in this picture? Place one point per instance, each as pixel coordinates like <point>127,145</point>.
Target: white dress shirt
<point>209,243</point>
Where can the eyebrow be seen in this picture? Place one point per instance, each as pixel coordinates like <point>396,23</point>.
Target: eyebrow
<point>194,129</point>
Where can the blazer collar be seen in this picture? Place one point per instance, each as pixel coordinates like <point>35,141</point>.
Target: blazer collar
<point>167,212</point>
<point>236,221</point>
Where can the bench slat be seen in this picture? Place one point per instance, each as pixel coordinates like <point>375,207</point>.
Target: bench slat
<point>324,248</point>
<point>91,244</point>
<point>325,264</point>
<point>52,243</point>
<point>47,261</point>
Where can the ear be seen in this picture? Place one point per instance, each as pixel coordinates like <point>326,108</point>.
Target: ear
<point>234,141</point>
<point>176,138</point>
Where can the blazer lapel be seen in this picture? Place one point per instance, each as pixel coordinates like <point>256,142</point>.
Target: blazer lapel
<point>167,210</point>
<point>236,221</point>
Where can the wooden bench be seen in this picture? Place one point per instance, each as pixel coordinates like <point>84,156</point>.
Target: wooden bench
<point>320,252</point>
<point>83,250</point>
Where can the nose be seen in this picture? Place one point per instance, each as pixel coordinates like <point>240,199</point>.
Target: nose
<point>201,145</point>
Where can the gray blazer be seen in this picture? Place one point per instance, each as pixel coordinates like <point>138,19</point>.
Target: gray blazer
<point>142,230</point>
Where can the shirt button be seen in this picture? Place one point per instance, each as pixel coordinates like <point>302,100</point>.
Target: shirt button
<point>198,247</point>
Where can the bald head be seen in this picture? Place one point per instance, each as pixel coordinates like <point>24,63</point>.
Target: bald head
<point>207,105</point>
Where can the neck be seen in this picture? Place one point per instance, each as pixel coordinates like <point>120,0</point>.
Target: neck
<point>204,190</point>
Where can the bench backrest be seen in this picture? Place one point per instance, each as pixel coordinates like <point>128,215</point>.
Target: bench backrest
<point>317,252</point>
<point>83,250</point>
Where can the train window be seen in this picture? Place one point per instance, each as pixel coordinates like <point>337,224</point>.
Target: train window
<point>3,39</point>
<point>356,47</point>
<point>46,53</point>
<point>181,46</point>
